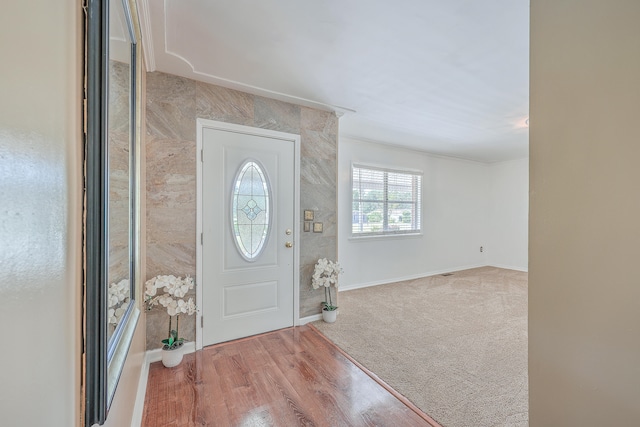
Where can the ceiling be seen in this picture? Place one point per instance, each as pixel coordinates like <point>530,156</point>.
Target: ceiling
<point>447,77</point>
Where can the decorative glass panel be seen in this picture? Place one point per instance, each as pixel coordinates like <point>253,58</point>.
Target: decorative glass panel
<point>250,210</point>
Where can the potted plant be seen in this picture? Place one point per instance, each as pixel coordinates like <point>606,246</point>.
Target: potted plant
<point>326,274</point>
<point>172,298</point>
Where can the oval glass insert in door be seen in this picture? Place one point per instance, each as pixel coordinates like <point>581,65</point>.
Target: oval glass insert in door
<point>250,210</point>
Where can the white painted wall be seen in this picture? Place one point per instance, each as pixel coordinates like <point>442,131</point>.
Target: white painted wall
<point>455,217</point>
<point>41,181</point>
<point>466,205</point>
<point>41,212</point>
<point>507,245</point>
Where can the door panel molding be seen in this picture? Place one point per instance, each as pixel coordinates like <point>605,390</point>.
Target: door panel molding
<point>203,124</point>
<point>233,293</point>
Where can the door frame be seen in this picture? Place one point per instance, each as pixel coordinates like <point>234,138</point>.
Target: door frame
<point>230,127</point>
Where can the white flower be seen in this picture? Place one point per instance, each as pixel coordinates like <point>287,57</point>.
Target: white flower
<point>168,291</point>
<point>182,306</point>
<point>325,273</point>
<point>191,307</point>
<point>173,289</point>
<point>111,314</point>
<point>186,307</point>
<point>181,290</point>
<point>165,300</point>
<point>120,311</point>
<point>172,308</point>
<point>162,282</point>
<point>113,300</point>
<point>117,300</point>
<point>150,287</point>
<point>118,293</point>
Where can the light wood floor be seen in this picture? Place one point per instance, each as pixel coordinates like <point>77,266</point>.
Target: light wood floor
<point>291,377</point>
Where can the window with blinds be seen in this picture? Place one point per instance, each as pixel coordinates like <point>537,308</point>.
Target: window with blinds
<point>385,201</point>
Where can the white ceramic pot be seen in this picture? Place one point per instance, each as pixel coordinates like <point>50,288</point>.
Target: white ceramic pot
<point>329,316</point>
<point>171,358</point>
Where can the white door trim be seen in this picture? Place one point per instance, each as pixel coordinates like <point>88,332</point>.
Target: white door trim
<point>230,127</point>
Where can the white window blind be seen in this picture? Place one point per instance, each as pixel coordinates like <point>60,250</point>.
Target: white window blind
<point>385,201</point>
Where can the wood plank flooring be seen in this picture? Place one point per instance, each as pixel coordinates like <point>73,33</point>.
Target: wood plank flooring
<point>291,377</point>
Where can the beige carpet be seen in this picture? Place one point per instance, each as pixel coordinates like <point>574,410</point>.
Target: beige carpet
<point>455,346</point>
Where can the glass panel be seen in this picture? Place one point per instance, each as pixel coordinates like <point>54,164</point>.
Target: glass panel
<point>261,203</point>
<point>257,236</point>
<point>401,216</point>
<point>244,184</point>
<point>385,201</point>
<point>244,239</point>
<point>250,210</point>
<point>119,177</point>
<point>257,185</point>
<point>261,219</point>
<point>368,218</point>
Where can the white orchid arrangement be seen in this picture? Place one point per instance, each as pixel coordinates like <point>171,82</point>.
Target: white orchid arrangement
<point>324,275</point>
<point>174,290</point>
<point>118,300</point>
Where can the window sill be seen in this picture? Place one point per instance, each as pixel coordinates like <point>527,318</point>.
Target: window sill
<point>355,238</point>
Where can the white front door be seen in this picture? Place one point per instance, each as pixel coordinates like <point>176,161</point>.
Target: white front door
<point>247,220</point>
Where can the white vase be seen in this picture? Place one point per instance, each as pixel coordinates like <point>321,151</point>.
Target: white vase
<point>173,357</point>
<point>329,316</point>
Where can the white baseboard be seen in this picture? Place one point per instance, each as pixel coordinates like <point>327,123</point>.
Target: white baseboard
<point>150,356</point>
<point>411,277</point>
<point>510,267</point>
<point>309,319</point>
<point>138,407</point>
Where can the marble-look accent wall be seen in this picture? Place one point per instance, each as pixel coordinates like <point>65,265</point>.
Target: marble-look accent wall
<point>119,181</point>
<point>119,188</point>
<point>173,105</point>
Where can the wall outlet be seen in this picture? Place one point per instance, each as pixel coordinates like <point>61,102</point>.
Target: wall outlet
<point>481,249</point>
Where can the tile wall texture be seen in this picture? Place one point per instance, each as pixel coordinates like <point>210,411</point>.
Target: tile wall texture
<point>173,105</point>
<point>119,183</point>
<point>119,190</point>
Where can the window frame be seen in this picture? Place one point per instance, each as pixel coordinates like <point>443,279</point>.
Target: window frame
<point>385,234</point>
